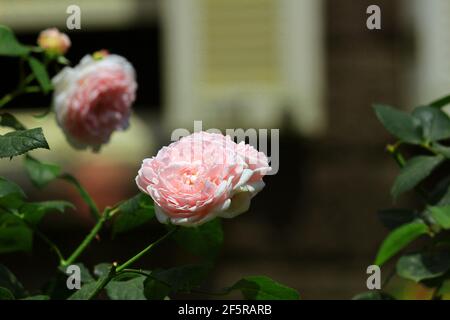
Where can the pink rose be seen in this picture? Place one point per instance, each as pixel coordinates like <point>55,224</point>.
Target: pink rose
<point>202,176</point>
<point>53,41</point>
<point>94,99</point>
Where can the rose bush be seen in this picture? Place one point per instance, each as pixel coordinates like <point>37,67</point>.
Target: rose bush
<point>193,181</point>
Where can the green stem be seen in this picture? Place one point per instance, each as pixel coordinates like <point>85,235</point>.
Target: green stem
<point>21,89</point>
<point>51,244</point>
<point>145,251</point>
<point>111,274</point>
<point>92,234</point>
<point>115,270</point>
<point>83,193</point>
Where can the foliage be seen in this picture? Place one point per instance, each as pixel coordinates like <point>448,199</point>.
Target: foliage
<point>419,238</point>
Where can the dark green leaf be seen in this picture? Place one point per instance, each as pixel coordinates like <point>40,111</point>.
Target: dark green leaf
<point>182,278</point>
<point>9,46</point>
<point>264,288</point>
<point>40,173</point>
<point>439,191</point>
<point>133,213</point>
<point>5,294</point>
<point>35,211</point>
<point>445,288</point>
<point>40,72</point>
<point>19,142</point>
<point>102,269</point>
<point>399,239</point>
<point>155,289</point>
<point>204,241</point>
<point>441,215</point>
<point>394,218</point>
<point>444,150</point>
<point>86,291</point>
<point>14,234</point>
<point>9,281</point>
<point>421,266</point>
<point>132,289</point>
<point>11,195</point>
<point>37,297</point>
<point>400,124</point>
<point>415,170</point>
<point>9,121</point>
<point>373,295</point>
<point>435,124</point>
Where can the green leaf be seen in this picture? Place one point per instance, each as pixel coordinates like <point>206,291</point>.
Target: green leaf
<point>5,294</point>
<point>132,289</point>
<point>86,291</point>
<point>445,288</point>
<point>399,239</point>
<point>373,295</point>
<point>441,215</point>
<point>400,124</point>
<point>204,241</point>
<point>19,142</point>
<point>9,281</point>
<point>14,234</point>
<point>182,278</point>
<point>133,213</point>
<point>11,195</point>
<point>415,170</point>
<point>35,211</point>
<point>40,173</point>
<point>394,218</point>
<point>435,124</point>
<point>37,297</point>
<point>40,73</point>
<point>264,288</point>
<point>9,46</point>
<point>102,269</point>
<point>9,121</point>
<point>421,266</point>
<point>155,289</point>
<point>444,150</point>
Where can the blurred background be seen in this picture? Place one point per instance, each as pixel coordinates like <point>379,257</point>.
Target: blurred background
<point>310,68</point>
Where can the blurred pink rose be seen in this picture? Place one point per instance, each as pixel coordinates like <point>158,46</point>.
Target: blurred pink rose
<point>94,99</point>
<point>202,176</point>
<point>53,41</point>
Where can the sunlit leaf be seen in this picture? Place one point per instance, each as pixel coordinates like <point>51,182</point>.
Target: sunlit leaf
<point>399,239</point>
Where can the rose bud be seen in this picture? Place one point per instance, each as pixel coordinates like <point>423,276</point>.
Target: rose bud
<point>202,176</point>
<point>94,99</point>
<point>53,41</point>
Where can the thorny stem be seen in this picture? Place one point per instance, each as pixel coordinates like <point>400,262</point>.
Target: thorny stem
<point>145,250</point>
<point>92,234</point>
